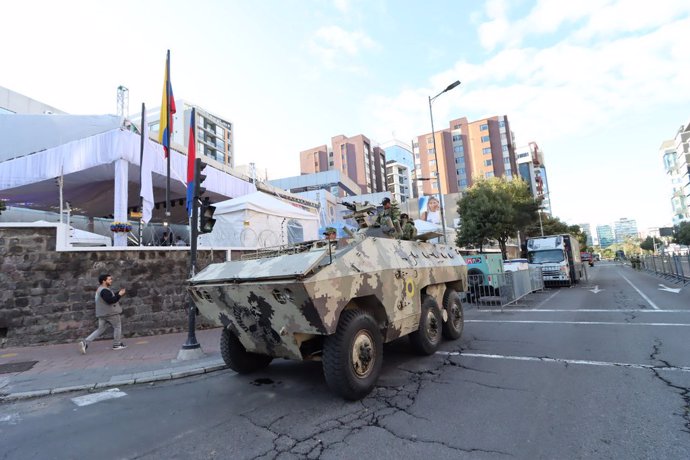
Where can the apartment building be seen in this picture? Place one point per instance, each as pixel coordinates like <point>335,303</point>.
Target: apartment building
<point>354,156</point>
<point>531,168</point>
<point>464,152</point>
<point>625,228</point>
<point>676,157</point>
<point>605,235</point>
<point>214,134</point>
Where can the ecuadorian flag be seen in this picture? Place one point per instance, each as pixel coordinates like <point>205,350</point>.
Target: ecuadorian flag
<point>167,110</point>
<point>191,160</point>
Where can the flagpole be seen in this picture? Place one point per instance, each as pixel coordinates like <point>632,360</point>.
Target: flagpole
<point>167,135</point>
<point>141,170</point>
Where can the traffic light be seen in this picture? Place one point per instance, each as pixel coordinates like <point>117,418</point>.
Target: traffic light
<point>199,178</point>
<point>206,220</point>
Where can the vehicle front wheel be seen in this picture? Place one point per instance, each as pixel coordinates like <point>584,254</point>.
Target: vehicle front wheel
<point>352,357</point>
<point>237,357</point>
<point>452,329</point>
<point>427,338</point>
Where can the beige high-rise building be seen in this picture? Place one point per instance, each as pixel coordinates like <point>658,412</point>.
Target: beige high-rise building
<point>466,151</point>
<point>353,157</point>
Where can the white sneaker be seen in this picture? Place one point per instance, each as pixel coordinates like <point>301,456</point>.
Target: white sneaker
<point>83,346</point>
<point>119,346</point>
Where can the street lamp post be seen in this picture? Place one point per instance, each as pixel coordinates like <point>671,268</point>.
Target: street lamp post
<point>433,137</point>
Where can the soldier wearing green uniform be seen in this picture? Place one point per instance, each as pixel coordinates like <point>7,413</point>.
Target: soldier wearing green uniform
<point>409,231</point>
<point>389,218</point>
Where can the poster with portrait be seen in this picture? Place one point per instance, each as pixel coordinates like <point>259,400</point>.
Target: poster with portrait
<point>430,209</point>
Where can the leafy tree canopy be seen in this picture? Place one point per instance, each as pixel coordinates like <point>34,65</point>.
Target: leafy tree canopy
<point>681,234</point>
<point>647,244</point>
<point>494,209</point>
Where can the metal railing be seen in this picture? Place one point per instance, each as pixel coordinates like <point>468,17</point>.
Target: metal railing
<point>670,266</point>
<point>501,289</point>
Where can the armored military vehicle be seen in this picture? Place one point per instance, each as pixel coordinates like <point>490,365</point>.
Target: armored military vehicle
<point>335,301</point>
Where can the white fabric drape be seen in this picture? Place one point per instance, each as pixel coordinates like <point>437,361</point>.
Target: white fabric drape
<point>104,149</point>
<point>120,200</point>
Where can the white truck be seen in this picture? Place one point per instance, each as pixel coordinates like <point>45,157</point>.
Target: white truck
<point>558,256</point>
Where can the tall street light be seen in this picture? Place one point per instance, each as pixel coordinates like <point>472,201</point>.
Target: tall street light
<point>433,137</point>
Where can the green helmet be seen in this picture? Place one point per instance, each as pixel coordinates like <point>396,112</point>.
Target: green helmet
<point>329,230</point>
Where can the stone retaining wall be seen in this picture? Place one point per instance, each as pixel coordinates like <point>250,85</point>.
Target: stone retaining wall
<point>47,296</point>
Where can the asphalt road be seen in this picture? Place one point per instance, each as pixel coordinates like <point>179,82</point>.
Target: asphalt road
<point>601,370</point>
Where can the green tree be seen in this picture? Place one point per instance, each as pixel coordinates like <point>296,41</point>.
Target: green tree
<point>647,244</point>
<point>681,234</point>
<point>494,209</point>
<point>551,225</point>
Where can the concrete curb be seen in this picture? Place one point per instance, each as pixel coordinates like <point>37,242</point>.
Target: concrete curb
<point>171,373</point>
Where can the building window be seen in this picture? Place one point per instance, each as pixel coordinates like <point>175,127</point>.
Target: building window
<point>456,126</point>
<point>486,150</point>
<point>506,159</point>
<point>489,174</point>
<point>460,160</point>
<point>501,124</point>
<point>457,138</point>
<point>432,163</point>
<point>458,149</point>
<point>330,154</point>
<point>504,148</point>
<point>434,185</point>
<point>460,171</point>
<point>430,151</point>
<point>488,162</point>
<point>484,127</point>
<point>330,163</point>
<point>485,138</point>
<point>462,182</point>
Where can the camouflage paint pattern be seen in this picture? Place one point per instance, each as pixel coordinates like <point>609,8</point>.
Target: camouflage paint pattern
<point>274,304</point>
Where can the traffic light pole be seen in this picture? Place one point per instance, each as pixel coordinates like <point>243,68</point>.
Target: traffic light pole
<point>191,342</point>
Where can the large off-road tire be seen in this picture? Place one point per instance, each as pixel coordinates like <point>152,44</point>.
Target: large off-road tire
<point>237,357</point>
<point>352,357</point>
<point>452,329</point>
<point>427,338</point>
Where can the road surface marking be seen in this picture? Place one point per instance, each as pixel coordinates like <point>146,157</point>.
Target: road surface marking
<point>98,397</point>
<point>665,288</point>
<point>565,361</point>
<point>584,310</point>
<point>8,355</point>
<point>596,289</point>
<point>547,299</point>
<point>640,292</point>
<point>604,323</point>
<point>10,419</point>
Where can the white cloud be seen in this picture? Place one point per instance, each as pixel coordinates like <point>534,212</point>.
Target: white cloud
<point>337,47</point>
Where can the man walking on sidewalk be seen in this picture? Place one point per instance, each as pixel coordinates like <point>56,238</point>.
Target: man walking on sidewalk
<point>108,311</point>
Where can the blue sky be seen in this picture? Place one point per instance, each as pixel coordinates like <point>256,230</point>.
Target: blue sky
<point>598,84</point>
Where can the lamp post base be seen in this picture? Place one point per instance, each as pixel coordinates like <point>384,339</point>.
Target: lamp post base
<point>185,354</point>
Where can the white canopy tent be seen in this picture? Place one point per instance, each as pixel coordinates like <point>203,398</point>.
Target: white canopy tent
<point>259,220</point>
<point>92,155</point>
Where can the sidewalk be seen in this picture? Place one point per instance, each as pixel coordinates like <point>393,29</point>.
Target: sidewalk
<point>62,368</point>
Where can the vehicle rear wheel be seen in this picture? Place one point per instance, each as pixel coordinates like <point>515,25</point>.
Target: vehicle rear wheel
<point>237,357</point>
<point>352,357</point>
<point>427,338</point>
<point>452,329</point>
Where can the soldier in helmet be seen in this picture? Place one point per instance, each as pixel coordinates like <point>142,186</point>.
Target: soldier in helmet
<point>389,218</point>
<point>409,231</point>
<point>330,233</point>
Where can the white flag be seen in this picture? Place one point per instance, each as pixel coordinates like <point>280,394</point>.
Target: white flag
<point>146,179</point>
